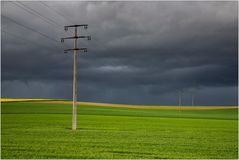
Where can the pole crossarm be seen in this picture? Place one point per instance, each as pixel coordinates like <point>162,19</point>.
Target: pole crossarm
<point>76,37</point>
<point>81,25</point>
<point>76,49</point>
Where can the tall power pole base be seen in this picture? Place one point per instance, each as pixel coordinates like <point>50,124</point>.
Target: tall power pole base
<point>75,49</point>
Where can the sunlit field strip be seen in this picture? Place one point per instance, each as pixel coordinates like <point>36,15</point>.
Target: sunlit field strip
<point>143,106</point>
<point>38,100</point>
<point>22,99</point>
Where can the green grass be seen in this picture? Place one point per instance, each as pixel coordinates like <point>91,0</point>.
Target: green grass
<point>31,130</point>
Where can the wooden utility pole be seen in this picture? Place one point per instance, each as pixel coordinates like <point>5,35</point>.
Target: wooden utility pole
<point>192,99</point>
<point>179,98</point>
<point>75,49</point>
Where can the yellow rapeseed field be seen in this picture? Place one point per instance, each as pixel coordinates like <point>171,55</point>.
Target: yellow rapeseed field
<point>52,101</point>
<point>143,106</point>
<point>21,99</point>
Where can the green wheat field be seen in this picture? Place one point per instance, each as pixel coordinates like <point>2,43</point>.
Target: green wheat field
<point>43,130</point>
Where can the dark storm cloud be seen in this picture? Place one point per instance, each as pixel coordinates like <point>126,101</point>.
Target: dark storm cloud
<point>141,52</point>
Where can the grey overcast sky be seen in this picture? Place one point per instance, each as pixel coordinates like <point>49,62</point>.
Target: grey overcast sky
<point>140,52</point>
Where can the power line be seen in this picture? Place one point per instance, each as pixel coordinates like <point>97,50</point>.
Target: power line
<point>59,13</point>
<point>54,22</point>
<point>16,4</point>
<point>32,13</point>
<point>21,38</point>
<point>52,9</point>
<point>16,36</point>
<point>39,14</point>
<point>45,19</point>
<point>42,34</point>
